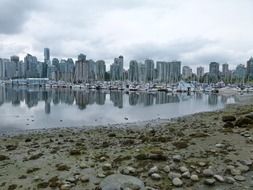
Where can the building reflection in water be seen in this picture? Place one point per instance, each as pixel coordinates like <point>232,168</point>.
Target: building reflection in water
<point>213,99</point>
<point>31,97</point>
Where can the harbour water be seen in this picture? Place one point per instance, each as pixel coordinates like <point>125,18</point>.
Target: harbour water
<point>38,108</point>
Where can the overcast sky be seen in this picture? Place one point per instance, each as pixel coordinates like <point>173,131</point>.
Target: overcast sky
<point>192,31</point>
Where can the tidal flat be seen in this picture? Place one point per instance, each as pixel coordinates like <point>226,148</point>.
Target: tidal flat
<point>209,150</point>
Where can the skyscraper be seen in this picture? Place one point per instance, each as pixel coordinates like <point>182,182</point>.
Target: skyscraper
<point>149,70</point>
<point>187,72</point>
<point>133,73</point>
<point>46,55</point>
<point>116,69</point>
<point>250,68</point>
<point>240,72</point>
<point>225,69</point>
<point>100,70</point>
<point>79,68</point>
<point>214,72</point>
<point>161,67</point>
<point>200,72</point>
<point>214,68</point>
<point>174,71</point>
<point>30,64</point>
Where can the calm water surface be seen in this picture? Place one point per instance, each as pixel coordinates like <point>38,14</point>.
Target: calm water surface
<point>36,108</point>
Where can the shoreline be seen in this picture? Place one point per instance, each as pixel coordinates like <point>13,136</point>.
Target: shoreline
<point>197,151</point>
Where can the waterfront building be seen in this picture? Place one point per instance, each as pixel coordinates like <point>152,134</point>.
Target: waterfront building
<point>116,69</point>
<point>214,72</point>
<point>142,69</point>
<point>162,68</point>
<point>214,68</point>
<point>225,69</point>
<point>174,71</point>
<point>240,73</point>
<point>16,64</point>
<point>79,68</point>
<point>200,72</point>
<point>149,70</point>
<point>56,64</point>
<point>47,55</point>
<point>30,66</point>
<point>133,73</point>
<point>187,72</point>
<point>66,70</point>
<point>100,70</point>
<point>250,69</point>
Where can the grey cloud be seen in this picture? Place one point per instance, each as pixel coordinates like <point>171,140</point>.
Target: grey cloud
<point>166,51</point>
<point>14,13</point>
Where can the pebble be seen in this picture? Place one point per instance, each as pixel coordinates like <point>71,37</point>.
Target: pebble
<point>71,180</point>
<point>107,166</point>
<point>246,162</point>
<point>177,158</point>
<point>219,145</point>
<point>65,187</point>
<point>194,177</point>
<point>128,170</point>
<point>173,175</point>
<point>219,178</point>
<point>243,168</point>
<point>183,169</point>
<point>156,176</point>
<point>186,175</point>
<point>166,169</point>
<point>202,164</point>
<point>239,178</point>
<point>177,182</point>
<point>209,181</point>
<point>84,179</point>
<point>83,166</point>
<point>230,180</point>
<point>153,170</point>
<point>208,173</point>
<point>235,172</point>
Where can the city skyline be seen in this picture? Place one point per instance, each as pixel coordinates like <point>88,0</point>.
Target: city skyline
<point>159,30</point>
<point>87,70</point>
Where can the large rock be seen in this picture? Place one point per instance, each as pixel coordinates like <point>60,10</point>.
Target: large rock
<point>250,115</point>
<point>119,181</point>
<point>3,157</point>
<point>243,122</point>
<point>228,125</point>
<point>227,118</point>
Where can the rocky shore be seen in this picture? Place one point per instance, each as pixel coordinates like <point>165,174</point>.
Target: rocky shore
<point>212,150</point>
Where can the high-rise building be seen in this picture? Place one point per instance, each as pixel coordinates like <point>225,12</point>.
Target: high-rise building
<point>30,65</point>
<point>161,67</point>
<point>250,68</point>
<point>142,69</point>
<point>16,63</point>
<point>133,73</point>
<point>79,68</point>
<point>200,72</point>
<point>174,71</point>
<point>47,55</point>
<point>100,70</point>
<point>240,72</point>
<point>56,64</point>
<point>225,69</point>
<point>187,72</point>
<point>66,70</point>
<point>116,69</point>
<point>214,68</point>
<point>149,70</point>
